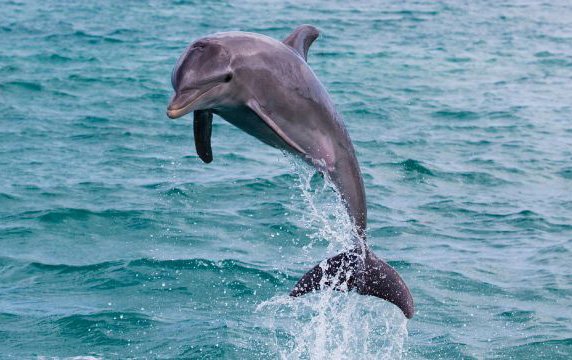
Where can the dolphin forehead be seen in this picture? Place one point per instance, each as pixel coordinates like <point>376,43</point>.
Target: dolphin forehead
<point>178,72</point>
<point>201,57</point>
<point>238,44</point>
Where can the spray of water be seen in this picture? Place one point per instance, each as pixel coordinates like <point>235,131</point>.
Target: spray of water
<point>325,216</point>
<point>330,324</point>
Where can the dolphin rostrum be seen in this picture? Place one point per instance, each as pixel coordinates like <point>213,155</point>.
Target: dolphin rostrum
<point>266,88</point>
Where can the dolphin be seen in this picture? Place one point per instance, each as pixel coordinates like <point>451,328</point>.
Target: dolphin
<point>266,88</point>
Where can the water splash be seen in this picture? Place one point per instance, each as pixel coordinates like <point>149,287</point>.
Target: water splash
<point>324,214</point>
<point>335,325</point>
<point>331,324</point>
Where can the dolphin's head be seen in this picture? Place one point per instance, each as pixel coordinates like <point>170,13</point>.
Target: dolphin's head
<point>201,78</point>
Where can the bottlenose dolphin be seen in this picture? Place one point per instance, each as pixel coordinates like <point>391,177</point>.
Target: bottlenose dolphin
<point>266,88</point>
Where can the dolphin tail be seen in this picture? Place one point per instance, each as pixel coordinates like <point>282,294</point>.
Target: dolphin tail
<point>368,275</point>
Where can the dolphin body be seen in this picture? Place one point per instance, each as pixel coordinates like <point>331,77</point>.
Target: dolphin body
<point>266,88</point>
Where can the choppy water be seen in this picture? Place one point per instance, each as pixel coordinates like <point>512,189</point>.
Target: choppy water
<point>117,241</point>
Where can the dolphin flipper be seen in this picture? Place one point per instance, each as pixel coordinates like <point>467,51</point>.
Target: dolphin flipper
<point>255,106</point>
<point>202,126</point>
<point>368,275</point>
<point>301,39</point>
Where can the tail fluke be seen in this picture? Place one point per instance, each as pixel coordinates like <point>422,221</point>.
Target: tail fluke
<point>368,275</point>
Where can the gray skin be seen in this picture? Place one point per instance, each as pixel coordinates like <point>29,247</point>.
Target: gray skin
<point>266,88</point>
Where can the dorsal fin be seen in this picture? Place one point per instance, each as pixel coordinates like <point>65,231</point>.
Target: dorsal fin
<point>301,39</point>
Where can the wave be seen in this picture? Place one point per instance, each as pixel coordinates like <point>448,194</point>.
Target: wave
<point>566,173</point>
<point>456,114</point>
<point>59,215</point>
<point>23,85</point>
<point>125,273</point>
<point>8,197</point>
<point>66,268</point>
<point>83,36</point>
<point>414,166</point>
<point>228,265</point>
<point>103,327</point>
<point>546,349</point>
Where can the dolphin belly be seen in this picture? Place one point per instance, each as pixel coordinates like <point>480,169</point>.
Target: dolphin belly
<point>247,121</point>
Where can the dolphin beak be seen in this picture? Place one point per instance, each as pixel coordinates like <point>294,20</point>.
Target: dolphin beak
<point>179,106</point>
<point>183,103</point>
<point>173,114</point>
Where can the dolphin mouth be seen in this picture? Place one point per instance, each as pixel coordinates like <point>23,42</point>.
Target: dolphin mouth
<point>175,113</point>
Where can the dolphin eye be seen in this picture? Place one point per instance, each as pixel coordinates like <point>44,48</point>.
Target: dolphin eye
<point>228,78</point>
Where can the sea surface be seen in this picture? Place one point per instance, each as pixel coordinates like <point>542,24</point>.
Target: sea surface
<point>117,242</point>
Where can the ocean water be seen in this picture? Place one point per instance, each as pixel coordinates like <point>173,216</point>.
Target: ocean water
<point>117,242</point>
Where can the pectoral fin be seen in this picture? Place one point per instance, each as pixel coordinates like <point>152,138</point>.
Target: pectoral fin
<point>255,106</point>
<point>202,126</point>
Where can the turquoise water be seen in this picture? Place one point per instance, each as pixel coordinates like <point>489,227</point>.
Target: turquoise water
<point>116,241</point>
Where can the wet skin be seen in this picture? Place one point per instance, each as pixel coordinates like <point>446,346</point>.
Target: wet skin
<point>266,88</point>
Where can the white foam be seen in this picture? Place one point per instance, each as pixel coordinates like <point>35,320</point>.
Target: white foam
<point>335,325</point>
